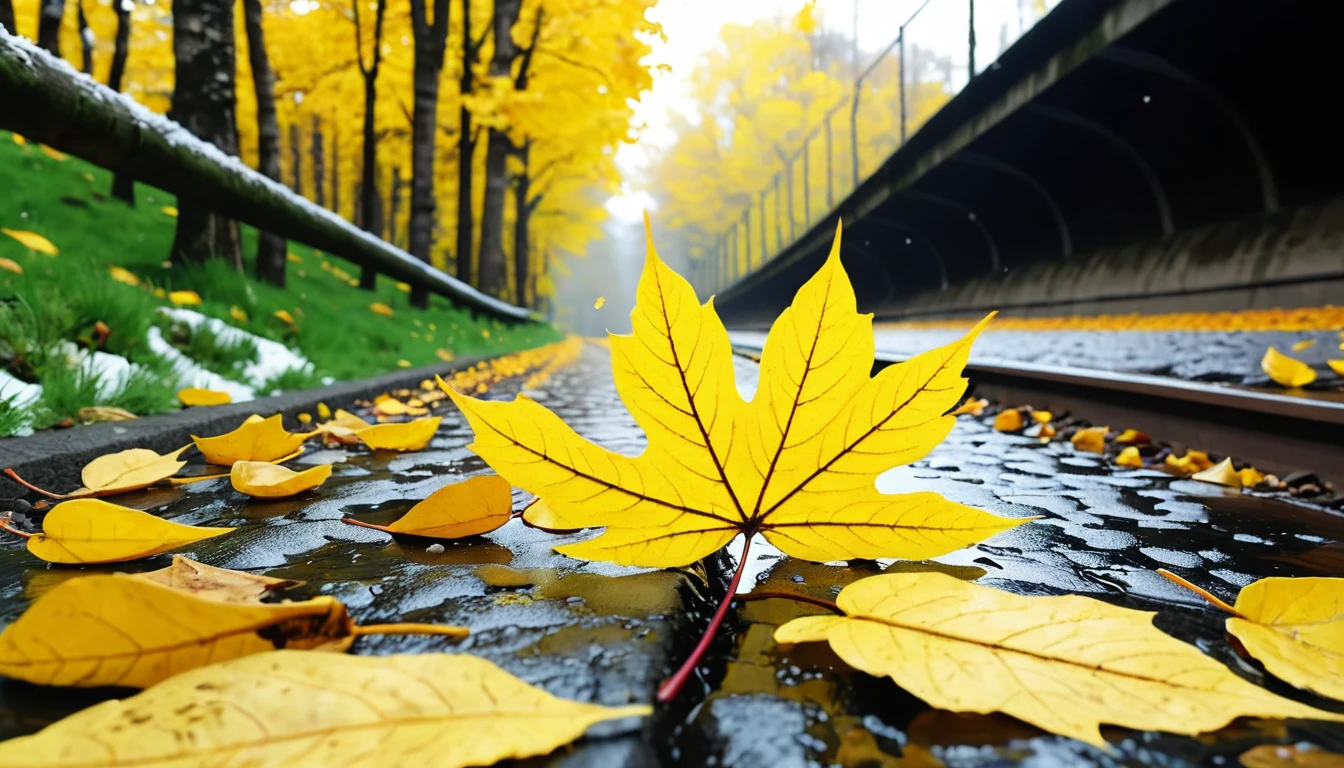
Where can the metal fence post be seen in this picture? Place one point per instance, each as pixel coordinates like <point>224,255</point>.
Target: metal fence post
<point>900,45</point>
<point>746,235</point>
<point>765,246</point>
<point>788,171</point>
<point>970,70</point>
<point>807,181</point>
<point>779,219</point>
<point>854,133</point>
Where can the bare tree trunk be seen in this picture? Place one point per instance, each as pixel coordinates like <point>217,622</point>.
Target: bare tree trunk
<point>494,273</point>
<point>319,165</point>
<point>123,184</point>
<point>204,102</point>
<point>295,158</point>
<point>431,40</point>
<point>49,13</point>
<point>368,193</point>
<point>523,214</point>
<point>466,150</point>
<point>270,248</point>
<point>85,41</point>
<point>7,17</point>
<point>335,169</point>
<point>394,205</point>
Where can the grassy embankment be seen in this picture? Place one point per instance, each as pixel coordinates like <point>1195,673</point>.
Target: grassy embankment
<point>62,298</point>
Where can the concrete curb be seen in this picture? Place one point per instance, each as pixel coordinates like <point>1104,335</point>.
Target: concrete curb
<point>53,459</point>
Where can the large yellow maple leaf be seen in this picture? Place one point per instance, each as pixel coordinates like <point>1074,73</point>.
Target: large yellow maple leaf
<point>797,463</point>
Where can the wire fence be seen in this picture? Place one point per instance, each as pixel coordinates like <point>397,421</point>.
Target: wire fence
<point>934,54</point>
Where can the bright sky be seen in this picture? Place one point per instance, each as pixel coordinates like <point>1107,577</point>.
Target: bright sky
<point>692,27</point>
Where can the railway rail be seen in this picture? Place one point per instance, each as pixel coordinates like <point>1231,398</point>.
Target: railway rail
<point>1278,432</point>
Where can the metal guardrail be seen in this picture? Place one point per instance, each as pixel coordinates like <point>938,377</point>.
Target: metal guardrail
<point>925,74</point>
<point>46,100</point>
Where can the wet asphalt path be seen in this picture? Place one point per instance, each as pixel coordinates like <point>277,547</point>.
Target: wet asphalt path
<point>608,634</point>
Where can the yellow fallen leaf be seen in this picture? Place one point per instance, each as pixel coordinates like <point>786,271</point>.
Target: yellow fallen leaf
<point>1130,458</point>
<point>485,333</point>
<point>305,418</point>
<point>193,396</point>
<point>283,316</point>
<point>1042,417</point>
<point>348,420</point>
<point>1303,344</point>
<point>96,414</point>
<point>403,363</point>
<point>295,258</point>
<point>1299,755</point>
<point>379,308</point>
<point>1065,664</point>
<point>1286,370</point>
<point>1190,463</point>
<point>159,293</point>
<point>130,470</point>
<point>32,241</point>
<point>185,298</point>
<point>445,355</point>
<point>403,436</point>
<point>312,710</point>
<point>1295,627</point>
<point>469,508</point>
<point>1221,473</point>
<point>1251,477</point>
<point>18,139</point>
<point>218,584</point>
<point>805,451</point>
<point>123,629</point>
<point>1091,439</point>
<point>974,407</point>
<point>257,439</point>
<point>264,480</point>
<point>601,300</point>
<point>54,154</point>
<point>1336,365</point>
<point>404,287</point>
<point>237,313</point>
<point>10,265</point>
<point>1046,432</point>
<point>96,531</point>
<point>323,411</point>
<point>168,210</point>
<point>1130,436</point>
<point>538,514</point>
<point>1009,421</point>
<point>124,276</point>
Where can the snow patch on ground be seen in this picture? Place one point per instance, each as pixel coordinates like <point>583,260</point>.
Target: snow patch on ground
<point>273,358</point>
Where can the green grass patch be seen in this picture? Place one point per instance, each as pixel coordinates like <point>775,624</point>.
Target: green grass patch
<point>64,297</point>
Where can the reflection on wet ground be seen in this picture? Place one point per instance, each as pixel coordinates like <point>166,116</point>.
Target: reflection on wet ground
<point>603,633</point>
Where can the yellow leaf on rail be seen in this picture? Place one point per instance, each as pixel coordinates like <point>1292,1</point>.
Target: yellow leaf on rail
<point>404,436</point>
<point>257,439</point>
<point>1285,370</point>
<point>130,470</point>
<point>95,531</point>
<point>312,710</point>
<point>1295,627</point>
<point>264,480</point>
<point>1065,664</point>
<point>10,265</point>
<point>796,464</point>
<point>32,241</point>
<point>469,508</point>
<point>195,396</point>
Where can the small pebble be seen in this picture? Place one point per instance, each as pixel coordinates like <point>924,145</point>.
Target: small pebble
<point>576,600</point>
<point>434,549</point>
<point>797,578</point>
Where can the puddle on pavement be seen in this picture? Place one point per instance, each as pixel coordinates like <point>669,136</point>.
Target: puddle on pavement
<point>599,632</point>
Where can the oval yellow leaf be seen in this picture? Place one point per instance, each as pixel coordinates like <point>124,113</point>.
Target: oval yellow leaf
<point>263,480</point>
<point>469,508</point>
<point>237,313</point>
<point>10,265</point>
<point>539,514</point>
<point>1190,463</point>
<point>130,470</point>
<point>379,308</point>
<point>95,531</point>
<point>123,276</point>
<point>283,316</point>
<point>32,241</point>
<point>1303,344</point>
<point>1295,627</point>
<point>120,629</point>
<point>1065,664</point>
<point>195,396</point>
<point>1285,370</point>
<point>600,302</point>
<point>257,439</point>
<point>219,584</point>
<point>1336,365</point>
<point>1009,421</point>
<point>169,210</point>
<point>1091,439</point>
<point>52,152</point>
<point>1130,458</point>
<point>313,710</point>
<point>405,436</point>
<point>185,298</point>
<point>972,407</point>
